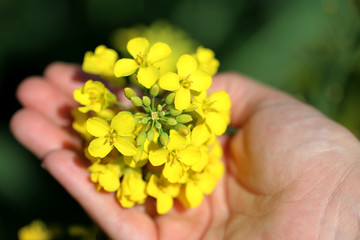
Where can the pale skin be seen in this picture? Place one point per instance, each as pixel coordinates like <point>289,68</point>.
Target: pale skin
<point>291,172</point>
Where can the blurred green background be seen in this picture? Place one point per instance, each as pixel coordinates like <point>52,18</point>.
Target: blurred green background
<point>308,48</point>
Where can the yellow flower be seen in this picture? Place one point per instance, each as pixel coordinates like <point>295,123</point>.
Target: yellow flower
<point>163,191</point>
<point>132,188</point>
<point>144,59</point>
<point>118,134</point>
<point>188,78</point>
<point>107,175</point>
<point>215,110</point>
<point>207,61</point>
<point>36,230</point>
<point>94,96</point>
<point>178,156</point>
<point>101,62</point>
<point>203,182</point>
<point>79,123</point>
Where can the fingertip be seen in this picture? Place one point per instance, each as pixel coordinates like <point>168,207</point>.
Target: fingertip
<point>66,76</point>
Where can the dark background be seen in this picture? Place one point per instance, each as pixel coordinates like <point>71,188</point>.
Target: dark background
<point>308,48</point>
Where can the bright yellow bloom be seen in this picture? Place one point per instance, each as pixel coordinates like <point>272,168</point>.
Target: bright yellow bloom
<point>101,62</point>
<point>79,123</point>
<point>118,134</point>
<point>144,59</point>
<point>215,110</point>
<point>107,176</point>
<point>132,188</point>
<point>158,31</point>
<point>94,96</point>
<point>163,191</point>
<point>37,230</point>
<point>188,78</point>
<point>178,156</point>
<point>207,61</point>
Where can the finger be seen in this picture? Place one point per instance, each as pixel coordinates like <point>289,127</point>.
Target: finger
<point>118,223</point>
<point>246,95</point>
<point>40,135</point>
<point>42,96</point>
<point>66,77</point>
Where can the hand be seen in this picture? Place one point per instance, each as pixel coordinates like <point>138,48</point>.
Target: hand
<point>291,172</point>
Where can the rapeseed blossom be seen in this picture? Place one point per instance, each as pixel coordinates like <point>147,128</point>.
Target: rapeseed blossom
<point>161,143</point>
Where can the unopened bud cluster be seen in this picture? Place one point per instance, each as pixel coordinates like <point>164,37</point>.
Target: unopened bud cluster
<point>160,140</point>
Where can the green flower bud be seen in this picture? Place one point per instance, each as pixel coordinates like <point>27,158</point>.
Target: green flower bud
<point>184,118</point>
<point>154,90</point>
<point>145,120</point>
<point>150,135</point>
<point>136,101</point>
<point>191,107</point>
<point>146,100</point>
<point>174,112</point>
<point>171,121</point>
<point>129,93</point>
<point>162,114</point>
<point>158,125</point>
<point>164,139</point>
<point>182,129</point>
<point>159,108</point>
<point>170,98</point>
<point>140,139</point>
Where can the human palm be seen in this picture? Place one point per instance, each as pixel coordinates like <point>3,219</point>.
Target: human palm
<point>285,164</point>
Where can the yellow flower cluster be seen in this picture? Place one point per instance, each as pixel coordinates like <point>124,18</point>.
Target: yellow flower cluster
<point>160,141</point>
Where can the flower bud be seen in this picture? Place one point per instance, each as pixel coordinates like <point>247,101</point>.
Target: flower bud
<point>136,101</point>
<point>171,121</point>
<point>159,108</point>
<point>140,139</point>
<point>164,139</point>
<point>146,101</point>
<point>162,114</point>
<point>184,118</point>
<point>158,125</point>
<point>182,129</point>
<point>174,112</point>
<point>150,135</point>
<point>170,98</point>
<point>191,108</point>
<point>145,120</point>
<point>129,93</point>
<point>154,90</point>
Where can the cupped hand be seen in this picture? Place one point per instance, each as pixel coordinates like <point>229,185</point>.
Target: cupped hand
<point>291,173</point>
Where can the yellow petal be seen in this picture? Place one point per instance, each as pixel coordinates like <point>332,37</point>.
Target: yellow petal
<point>169,81</point>
<point>176,141</point>
<point>109,181</point>
<point>220,101</point>
<point>193,194</point>
<point>123,123</point>
<point>152,188</point>
<point>216,123</point>
<point>97,126</point>
<point>125,145</point>
<point>173,171</point>
<point>186,65</point>
<point>99,147</point>
<point>138,47</point>
<point>190,155</point>
<point>200,81</point>
<point>200,134</point>
<point>147,76</point>
<point>158,52</point>
<point>158,157</point>
<point>182,98</point>
<point>164,203</point>
<point>125,67</point>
